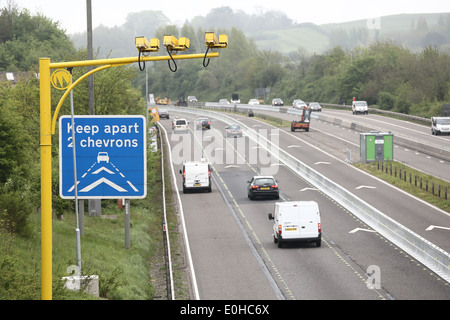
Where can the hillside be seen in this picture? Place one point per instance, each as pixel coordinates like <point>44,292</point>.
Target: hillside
<point>274,31</point>
<point>309,37</point>
<point>414,31</point>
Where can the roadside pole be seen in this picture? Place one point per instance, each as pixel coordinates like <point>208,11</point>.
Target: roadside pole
<point>46,180</point>
<point>127,224</point>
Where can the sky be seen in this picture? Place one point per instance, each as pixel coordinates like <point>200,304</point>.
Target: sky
<point>72,14</point>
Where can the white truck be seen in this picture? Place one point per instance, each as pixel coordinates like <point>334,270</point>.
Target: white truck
<point>440,125</point>
<point>196,176</point>
<point>296,221</point>
<point>360,107</point>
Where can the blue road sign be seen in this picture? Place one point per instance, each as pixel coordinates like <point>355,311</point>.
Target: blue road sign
<point>111,157</point>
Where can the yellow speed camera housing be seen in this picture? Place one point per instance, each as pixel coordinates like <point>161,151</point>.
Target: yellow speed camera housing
<point>143,45</point>
<point>212,41</point>
<point>173,44</point>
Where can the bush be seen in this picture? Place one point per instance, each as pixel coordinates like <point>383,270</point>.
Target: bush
<point>427,109</point>
<point>402,106</point>
<point>14,213</point>
<point>14,284</point>
<point>386,101</point>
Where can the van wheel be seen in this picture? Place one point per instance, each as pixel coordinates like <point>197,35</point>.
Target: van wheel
<point>209,189</point>
<point>280,244</point>
<point>275,240</point>
<point>318,243</point>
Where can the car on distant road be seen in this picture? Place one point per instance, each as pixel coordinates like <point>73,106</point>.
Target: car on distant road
<point>315,106</point>
<point>299,104</point>
<point>192,99</point>
<point>202,123</point>
<point>180,125</point>
<point>277,102</point>
<point>224,101</point>
<point>253,102</point>
<point>233,130</point>
<point>265,186</point>
<point>163,113</point>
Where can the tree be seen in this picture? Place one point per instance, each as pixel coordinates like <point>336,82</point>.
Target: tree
<point>15,140</point>
<point>18,155</point>
<point>26,38</point>
<point>356,76</point>
<point>386,101</point>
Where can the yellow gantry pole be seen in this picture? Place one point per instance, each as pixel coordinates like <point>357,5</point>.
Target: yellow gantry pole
<point>46,180</point>
<point>47,129</point>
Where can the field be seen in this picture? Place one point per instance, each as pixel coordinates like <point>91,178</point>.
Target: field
<point>316,38</point>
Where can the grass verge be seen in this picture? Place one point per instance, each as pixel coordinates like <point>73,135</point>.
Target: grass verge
<point>407,181</point>
<point>124,274</point>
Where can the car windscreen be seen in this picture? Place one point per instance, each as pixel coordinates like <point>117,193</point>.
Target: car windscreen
<point>264,181</point>
<point>443,121</point>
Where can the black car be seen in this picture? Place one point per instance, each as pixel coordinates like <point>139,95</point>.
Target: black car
<point>202,123</point>
<point>277,102</point>
<point>265,186</point>
<point>163,113</point>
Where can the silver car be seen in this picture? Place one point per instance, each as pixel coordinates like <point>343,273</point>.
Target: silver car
<point>315,106</point>
<point>277,102</point>
<point>299,104</point>
<point>233,130</point>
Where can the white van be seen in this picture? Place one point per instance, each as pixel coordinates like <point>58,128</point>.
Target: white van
<point>196,176</point>
<point>440,125</point>
<point>360,107</point>
<point>296,221</point>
